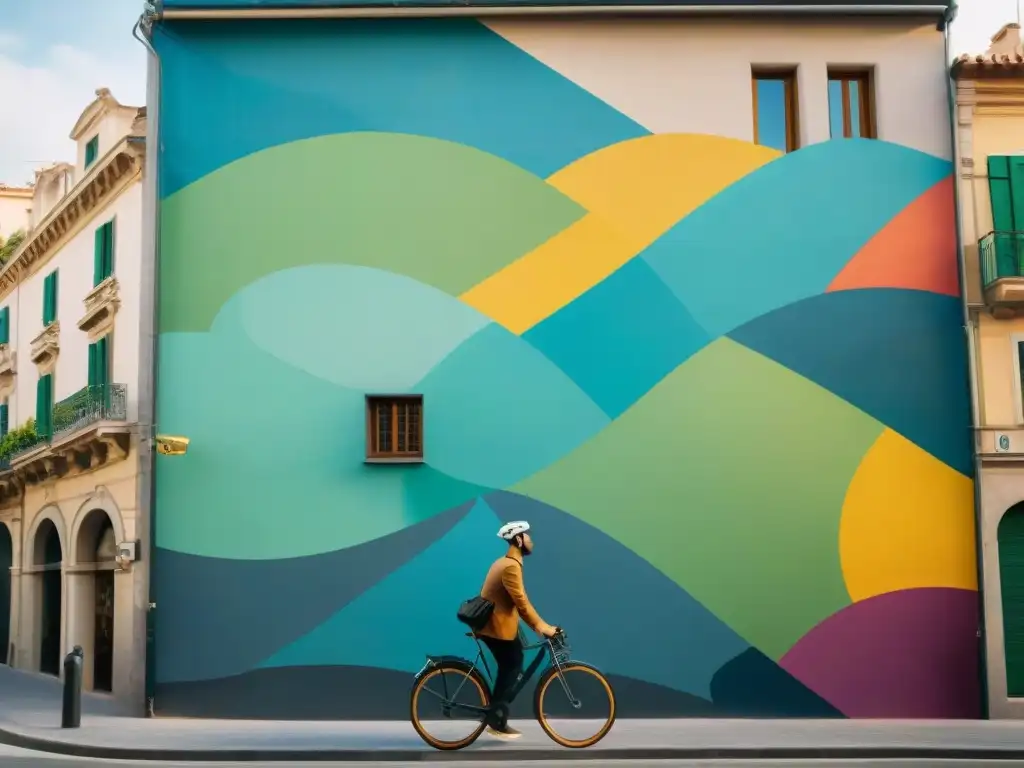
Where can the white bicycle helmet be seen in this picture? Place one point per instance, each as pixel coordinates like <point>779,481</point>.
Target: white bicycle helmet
<point>510,530</point>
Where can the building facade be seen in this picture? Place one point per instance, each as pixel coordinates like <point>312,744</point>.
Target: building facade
<point>680,290</point>
<point>69,343</point>
<point>990,136</point>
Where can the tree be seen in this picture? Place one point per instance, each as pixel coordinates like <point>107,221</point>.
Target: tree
<point>10,245</point>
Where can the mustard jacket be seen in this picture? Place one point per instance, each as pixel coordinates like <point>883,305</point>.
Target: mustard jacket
<point>504,587</point>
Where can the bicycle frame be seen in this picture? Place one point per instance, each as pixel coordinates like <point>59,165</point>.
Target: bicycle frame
<point>524,677</point>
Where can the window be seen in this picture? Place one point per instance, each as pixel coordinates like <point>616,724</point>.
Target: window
<point>394,427</point>
<point>5,325</point>
<point>850,106</point>
<point>103,253</point>
<point>50,298</point>
<point>99,363</point>
<point>92,149</point>
<point>775,113</point>
<point>44,406</point>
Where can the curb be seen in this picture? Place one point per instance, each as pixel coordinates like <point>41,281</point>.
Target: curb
<point>500,754</point>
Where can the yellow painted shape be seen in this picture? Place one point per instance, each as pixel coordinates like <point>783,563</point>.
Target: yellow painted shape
<point>635,191</point>
<point>529,289</point>
<point>908,522</point>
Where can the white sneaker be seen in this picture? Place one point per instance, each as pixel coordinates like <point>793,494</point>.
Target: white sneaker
<point>506,734</point>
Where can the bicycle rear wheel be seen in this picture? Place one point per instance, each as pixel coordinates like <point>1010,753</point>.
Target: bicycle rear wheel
<point>575,705</point>
<point>435,708</point>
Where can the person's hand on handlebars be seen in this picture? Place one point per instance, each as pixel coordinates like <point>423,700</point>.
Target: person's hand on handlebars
<point>550,631</point>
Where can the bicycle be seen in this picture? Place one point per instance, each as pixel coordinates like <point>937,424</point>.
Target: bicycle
<point>468,677</point>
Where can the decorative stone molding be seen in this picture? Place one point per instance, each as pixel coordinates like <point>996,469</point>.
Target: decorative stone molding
<point>105,180</point>
<point>46,347</point>
<point>7,370</point>
<point>94,446</point>
<point>101,304</point>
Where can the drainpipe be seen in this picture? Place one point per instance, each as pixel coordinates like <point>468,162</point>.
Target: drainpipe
<point>144,592</point>
<point>970,329</point>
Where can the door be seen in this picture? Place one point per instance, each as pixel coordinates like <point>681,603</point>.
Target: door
<point>1011,576</point>
<point>6,561</point>
<point>103,642</point>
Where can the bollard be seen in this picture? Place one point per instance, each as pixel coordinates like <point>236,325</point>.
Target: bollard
<point>71,711</point>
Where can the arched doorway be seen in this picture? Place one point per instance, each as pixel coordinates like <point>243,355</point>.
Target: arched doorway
<point>6,561</point>
<point>49,555</point>
<point>96,546</point>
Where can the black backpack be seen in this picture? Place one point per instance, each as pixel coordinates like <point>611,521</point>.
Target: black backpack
<point>475,612</point>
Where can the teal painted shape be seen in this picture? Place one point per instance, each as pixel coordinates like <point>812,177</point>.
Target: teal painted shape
<point>271,442</point>
<point>621,337</point>
<point>497,410</point>
<point>409,613</point>
<point>358,327</point>
<point>784,232</point>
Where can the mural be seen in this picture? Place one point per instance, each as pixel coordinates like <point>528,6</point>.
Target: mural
<point>725,386</point>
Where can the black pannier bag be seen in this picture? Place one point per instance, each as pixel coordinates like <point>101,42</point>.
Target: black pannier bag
<point>475,612</point>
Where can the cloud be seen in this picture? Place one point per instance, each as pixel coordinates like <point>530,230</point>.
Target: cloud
<point>40,102</point>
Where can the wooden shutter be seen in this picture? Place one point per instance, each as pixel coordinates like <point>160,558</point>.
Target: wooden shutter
<point>3,420</point>
<point>108,253</point>
<point>5,325</point>
<point>1001,192</point>
<point>1011,577</point>
<point>92,366</point>
<point>50,298</point>
<point>44,405</point>
<point>102,362</point>
<point>99,244</point>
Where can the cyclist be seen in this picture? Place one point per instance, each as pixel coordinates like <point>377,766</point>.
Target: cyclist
<point>503,586</point>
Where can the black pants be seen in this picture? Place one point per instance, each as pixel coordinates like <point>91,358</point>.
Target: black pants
<point>509,656</point>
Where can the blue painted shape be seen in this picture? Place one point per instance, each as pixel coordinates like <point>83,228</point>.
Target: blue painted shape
<point>582,579</point>
<point>257,85</point>
<point>898,355</point>
<point>411,612</point>
<point>497,411</point>
<point>752,685</point>
<point>241,611</point>
<point>245,440</point>
<point>621,337</point>
<point>240,4</point>
<point>329,321</point>
<point>782,233</point>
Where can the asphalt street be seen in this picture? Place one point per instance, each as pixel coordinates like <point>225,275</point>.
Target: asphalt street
<point>18,758</point>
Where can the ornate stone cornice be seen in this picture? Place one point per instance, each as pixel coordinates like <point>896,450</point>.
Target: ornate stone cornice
<point>7,370</point>
<point>107,179</point>
<point>101,304</point>
<point>45,348</point>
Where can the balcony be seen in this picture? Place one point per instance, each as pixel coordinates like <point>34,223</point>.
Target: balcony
<point>1002,272</point>
<point>45,348</point>
<point>90,429</point>
<point>101,306</point>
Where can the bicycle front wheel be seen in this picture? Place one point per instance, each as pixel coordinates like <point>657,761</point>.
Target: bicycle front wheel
<point>447,704</point>
<point>575,705</point>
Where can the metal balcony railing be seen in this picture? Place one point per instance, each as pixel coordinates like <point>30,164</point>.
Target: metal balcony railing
<point>1001,255</point>
<point>99,402</point>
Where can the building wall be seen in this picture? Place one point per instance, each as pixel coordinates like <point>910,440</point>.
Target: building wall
<point>726,387</point>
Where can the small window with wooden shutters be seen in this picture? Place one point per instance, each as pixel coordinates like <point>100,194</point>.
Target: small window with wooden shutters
<point>394,428</point>
<point>851,112</point>
<point>50,298</point>
<point>775,109</point>
<point>5,325</point>
<point>92,151</point>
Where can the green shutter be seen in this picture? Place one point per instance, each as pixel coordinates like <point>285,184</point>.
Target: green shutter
<point>92,365</point>
<point>50,298</point>
<point>99,245</point>
<point>4,428</point>
<point>108,263</point>
<point>91,150</point>
<point>102,362</point>
<point>1011,577</point>
<point>5,325</point>
<point>1001,194</point>
<point>46,300</point>
<point>44,405</point>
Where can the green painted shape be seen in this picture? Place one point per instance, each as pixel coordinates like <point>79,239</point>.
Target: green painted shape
<point>442,213</point>
<point>729,477</point>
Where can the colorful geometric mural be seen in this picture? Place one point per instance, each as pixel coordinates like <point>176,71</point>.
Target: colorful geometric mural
<point>726,387</point>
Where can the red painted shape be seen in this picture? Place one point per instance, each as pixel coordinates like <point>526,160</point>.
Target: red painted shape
<point>916,250</point>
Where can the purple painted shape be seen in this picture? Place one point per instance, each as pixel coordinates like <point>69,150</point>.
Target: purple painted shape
<point>907,654</point>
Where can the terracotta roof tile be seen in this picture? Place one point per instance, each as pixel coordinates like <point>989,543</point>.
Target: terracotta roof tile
<point>1004,57</point>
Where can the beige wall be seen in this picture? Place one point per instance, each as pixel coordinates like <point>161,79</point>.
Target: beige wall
<point>15,210</point>
<point>634,64</point>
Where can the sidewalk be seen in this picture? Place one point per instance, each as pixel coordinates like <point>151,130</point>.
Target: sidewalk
<point>30,718</point>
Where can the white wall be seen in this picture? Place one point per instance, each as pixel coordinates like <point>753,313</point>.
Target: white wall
<point>111,128</point>
<point>693,75</point>
<point>75,264</point>
<point>14,213</point>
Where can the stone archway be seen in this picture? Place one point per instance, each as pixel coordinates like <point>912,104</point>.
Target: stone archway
<point>92,596</point>
<point>48,558</point>
<point>6,562</point>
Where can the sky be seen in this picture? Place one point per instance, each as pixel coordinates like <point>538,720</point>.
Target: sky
<point>54,54</point>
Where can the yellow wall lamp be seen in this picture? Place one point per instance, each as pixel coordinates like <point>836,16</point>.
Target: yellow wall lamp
<point>171,445</point>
